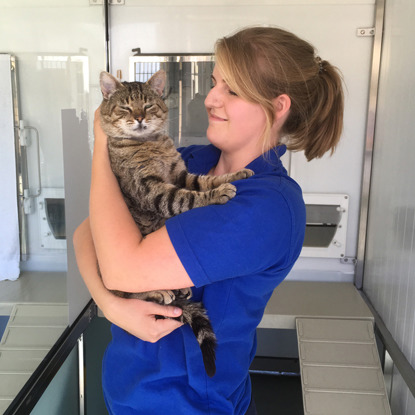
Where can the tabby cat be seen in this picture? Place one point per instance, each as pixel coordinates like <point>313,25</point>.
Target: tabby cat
<point>155,183</point>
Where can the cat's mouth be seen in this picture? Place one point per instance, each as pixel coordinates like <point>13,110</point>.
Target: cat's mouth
<point>140,127</point>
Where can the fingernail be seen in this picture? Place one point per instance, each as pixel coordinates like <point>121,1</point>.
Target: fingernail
<point>177,311</point>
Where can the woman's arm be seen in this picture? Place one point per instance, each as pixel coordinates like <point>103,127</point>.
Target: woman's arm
<point>127,261</point>
<point>135,316</point>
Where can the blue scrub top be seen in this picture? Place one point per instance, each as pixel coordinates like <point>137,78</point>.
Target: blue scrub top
<point>235,254</point>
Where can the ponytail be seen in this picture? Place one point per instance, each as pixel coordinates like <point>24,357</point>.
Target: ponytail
<point>315,122</point>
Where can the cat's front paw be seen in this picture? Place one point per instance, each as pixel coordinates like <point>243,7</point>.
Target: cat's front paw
<point>224,192</point>
<point>244,174</point>
<point>238,175</point>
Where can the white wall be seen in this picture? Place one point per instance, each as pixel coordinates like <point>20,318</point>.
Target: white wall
<point>331,25</point>
<point>389,275</point>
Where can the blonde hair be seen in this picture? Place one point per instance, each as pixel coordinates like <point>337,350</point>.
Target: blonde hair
<point>261,63</point>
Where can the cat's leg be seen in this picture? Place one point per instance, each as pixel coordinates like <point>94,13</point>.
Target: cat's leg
<point>162,297</point>
<point>167,200</point>
<point>201,183</point>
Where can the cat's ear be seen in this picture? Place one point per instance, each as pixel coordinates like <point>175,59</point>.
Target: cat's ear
<point>109,84</point>
<point>158,81</point>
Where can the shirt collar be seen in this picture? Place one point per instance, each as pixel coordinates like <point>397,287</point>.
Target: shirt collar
<point>204,158</point>
<point>269,161</point>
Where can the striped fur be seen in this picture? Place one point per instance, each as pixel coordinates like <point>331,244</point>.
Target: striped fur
<point>155,182</point>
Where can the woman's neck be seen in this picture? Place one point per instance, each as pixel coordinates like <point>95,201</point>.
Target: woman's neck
<point>231,163</point>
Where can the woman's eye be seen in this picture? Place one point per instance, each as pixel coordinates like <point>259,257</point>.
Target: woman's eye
<point>233,93</point>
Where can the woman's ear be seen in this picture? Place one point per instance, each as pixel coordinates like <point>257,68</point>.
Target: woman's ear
<point>282,105</point>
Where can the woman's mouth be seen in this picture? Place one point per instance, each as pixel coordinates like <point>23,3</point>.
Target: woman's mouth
<point>214,117</point>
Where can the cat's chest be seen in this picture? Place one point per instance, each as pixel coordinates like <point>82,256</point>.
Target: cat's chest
<point>145,161</point>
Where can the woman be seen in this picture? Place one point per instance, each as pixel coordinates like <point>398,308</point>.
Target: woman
<point>269,87</point>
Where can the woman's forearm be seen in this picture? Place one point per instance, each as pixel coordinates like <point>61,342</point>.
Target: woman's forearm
<point>135,316</point>
<point>87,264</point>
<point>115,234</point>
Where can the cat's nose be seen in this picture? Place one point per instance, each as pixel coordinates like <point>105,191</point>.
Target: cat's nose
<point>139,119</point>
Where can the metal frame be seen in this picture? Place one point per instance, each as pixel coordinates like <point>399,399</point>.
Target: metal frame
<point>166,57</point>
<point>81,374</point>
<point>369,144</point>
<point>337,247</point>
<point>21,161</point>
<point>107,36</point>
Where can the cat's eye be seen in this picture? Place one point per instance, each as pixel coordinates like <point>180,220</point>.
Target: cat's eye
<point>126,109</point>
<point>148,107</point>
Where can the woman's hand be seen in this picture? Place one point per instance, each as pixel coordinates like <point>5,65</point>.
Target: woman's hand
<point>138,318</point>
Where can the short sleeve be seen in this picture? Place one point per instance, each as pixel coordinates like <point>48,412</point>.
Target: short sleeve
<point>256,230</point>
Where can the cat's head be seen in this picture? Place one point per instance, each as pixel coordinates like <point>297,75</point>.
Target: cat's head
<point>133,110</point>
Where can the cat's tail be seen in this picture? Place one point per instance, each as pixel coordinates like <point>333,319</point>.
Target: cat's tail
<point>195,315</point>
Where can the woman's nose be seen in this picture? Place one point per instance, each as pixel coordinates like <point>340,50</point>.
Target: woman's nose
<point>213,98</point>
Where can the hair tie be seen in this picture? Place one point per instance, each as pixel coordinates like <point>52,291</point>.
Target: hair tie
<point>319,62</point>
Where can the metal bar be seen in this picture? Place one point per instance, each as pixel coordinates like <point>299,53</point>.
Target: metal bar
<point>370,136</point>
<point>39,176</point>
<point>107,36</point>
<point>21,161</point>
<point>399,359</point>
<point>274,373</point>
<point>176,57</point>
<point>81,374</point>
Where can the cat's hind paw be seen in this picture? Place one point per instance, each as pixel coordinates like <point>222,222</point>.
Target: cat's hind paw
<point>162,297</point>
<point>183,294</point>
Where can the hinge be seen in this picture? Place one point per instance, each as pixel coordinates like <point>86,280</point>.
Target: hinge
<point>365,31</point>
<point>110,2</point>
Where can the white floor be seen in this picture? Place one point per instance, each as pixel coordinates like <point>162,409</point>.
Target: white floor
<point>37,305</point>
<point>33,287</point>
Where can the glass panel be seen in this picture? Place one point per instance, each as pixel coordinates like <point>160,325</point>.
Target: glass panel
<point>51,53</point>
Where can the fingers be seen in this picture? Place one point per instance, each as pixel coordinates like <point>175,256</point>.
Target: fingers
<point>138,318</point>
<point>162,310</point>
<point>162,328</point>
<point>169,311</point>
<point>152,328</point>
